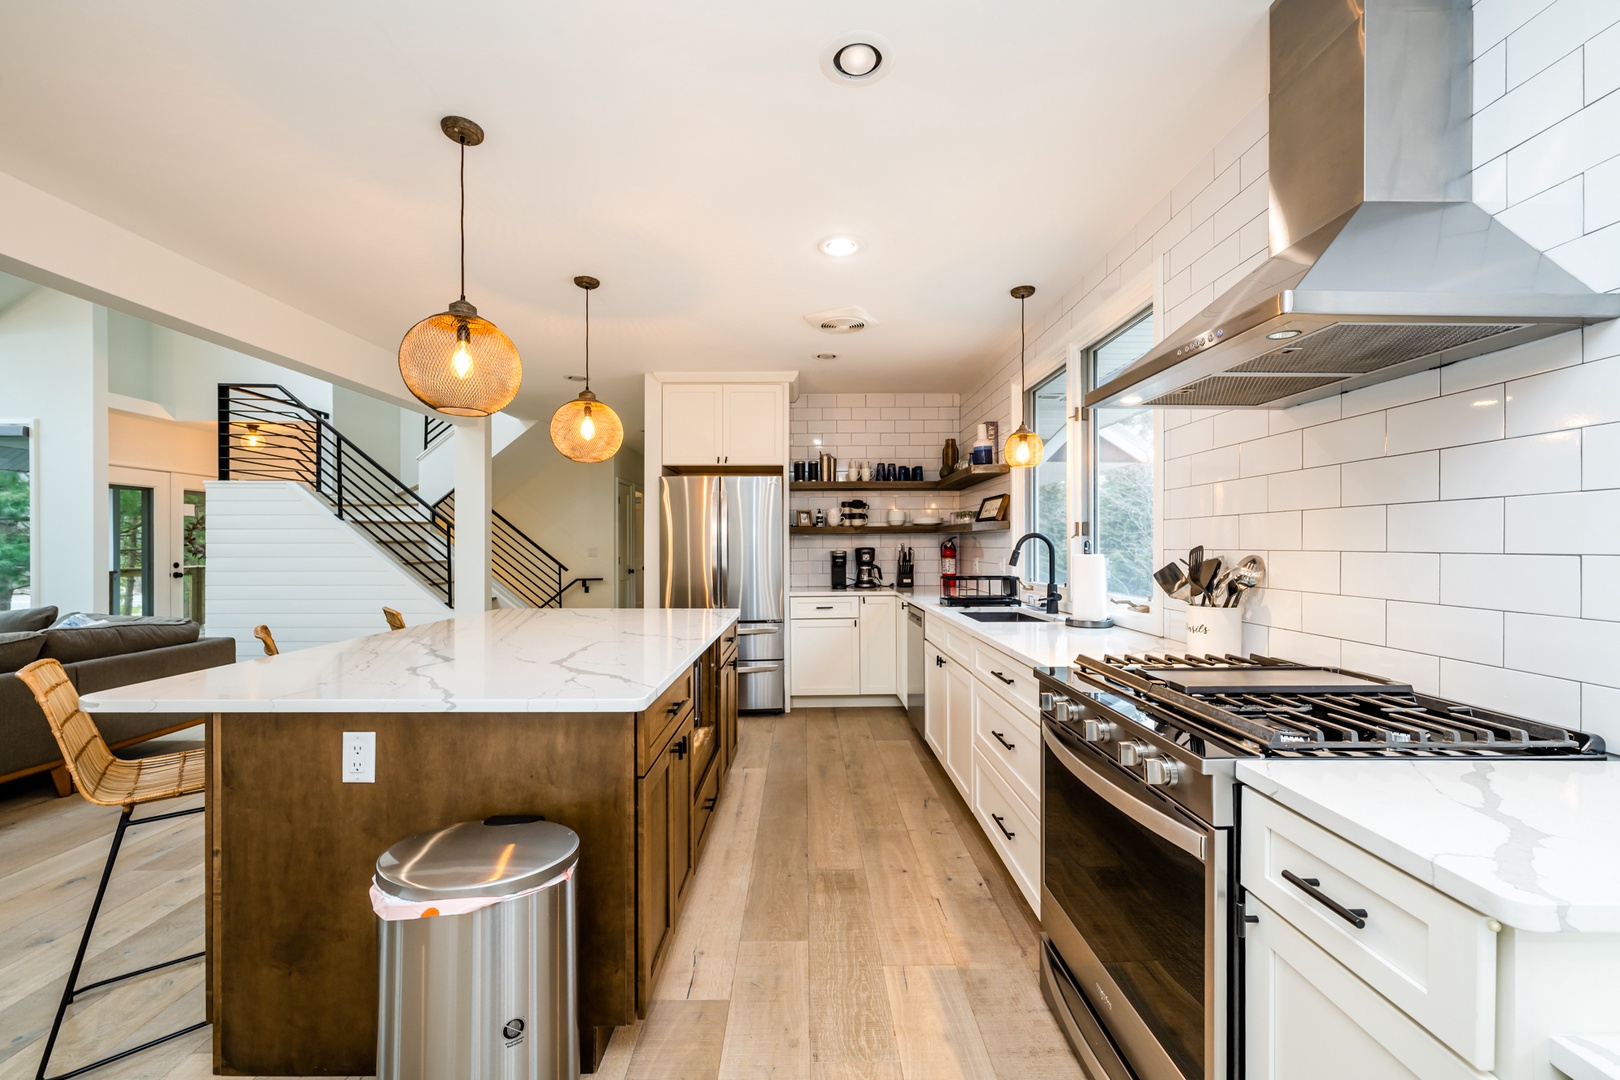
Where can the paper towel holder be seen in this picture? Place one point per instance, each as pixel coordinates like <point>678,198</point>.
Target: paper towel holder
<point>1086,624</point>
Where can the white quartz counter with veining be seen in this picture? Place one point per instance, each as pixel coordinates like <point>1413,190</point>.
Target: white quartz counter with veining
<point>1533,844</point>
<point>508,660</point>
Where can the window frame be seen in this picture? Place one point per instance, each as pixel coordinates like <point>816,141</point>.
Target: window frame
<point>1060,368</point>
<point>30,428</point>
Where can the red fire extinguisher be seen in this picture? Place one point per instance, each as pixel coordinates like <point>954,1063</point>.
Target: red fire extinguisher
<point>947,558</point>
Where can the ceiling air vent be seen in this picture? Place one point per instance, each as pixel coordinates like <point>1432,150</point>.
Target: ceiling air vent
<point>845,320</point>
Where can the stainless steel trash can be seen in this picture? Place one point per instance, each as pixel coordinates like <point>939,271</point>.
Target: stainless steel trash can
<point>476,951</point>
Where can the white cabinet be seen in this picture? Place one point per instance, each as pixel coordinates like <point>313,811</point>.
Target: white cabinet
<point>826,655</point>
<point>959,727</point>
<point>1306,1014</point>
<point>935,689</point>
<point>725,424</point>
<point>880,632</point>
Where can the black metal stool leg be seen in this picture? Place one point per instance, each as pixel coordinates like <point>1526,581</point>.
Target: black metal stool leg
<point>73,989</point>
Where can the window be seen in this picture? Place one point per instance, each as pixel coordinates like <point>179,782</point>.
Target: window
<point>130,591</point>
<point>1046,405</point>
<point>1122,468</point>
<point>16,518</point>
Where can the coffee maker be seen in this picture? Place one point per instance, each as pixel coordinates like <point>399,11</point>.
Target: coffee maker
<point>840,569</point>
<point>867,573</point>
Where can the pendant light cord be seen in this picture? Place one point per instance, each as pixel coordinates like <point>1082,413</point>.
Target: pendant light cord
<point>587,339</point>
<point>1023,390</point>
<point>463,141</point>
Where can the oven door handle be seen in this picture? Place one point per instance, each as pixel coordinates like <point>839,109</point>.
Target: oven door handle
<point>1190,840</point>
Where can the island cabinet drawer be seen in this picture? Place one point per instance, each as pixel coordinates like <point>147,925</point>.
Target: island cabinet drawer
<point>661,719</point>
<point>704,797</point>
<point>1010,742</point>
<point>1012,827</point>
<point>1432,957</point>
<point>824,607</point>
<point>1014,679</point>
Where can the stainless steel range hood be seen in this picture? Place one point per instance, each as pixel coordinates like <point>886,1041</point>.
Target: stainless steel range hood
<point>1383,266</point>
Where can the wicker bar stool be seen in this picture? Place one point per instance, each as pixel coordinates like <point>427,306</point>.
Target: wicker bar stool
<point>396,621</point>
<point>262,632</point>
<point>106,780</point>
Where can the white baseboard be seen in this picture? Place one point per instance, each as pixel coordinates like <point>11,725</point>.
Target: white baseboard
<point>858,701</point>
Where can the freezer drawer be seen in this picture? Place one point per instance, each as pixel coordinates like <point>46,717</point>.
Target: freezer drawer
<point>761,641</point>
<point>761,685</point>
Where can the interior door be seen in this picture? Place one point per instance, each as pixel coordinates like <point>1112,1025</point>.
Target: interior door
<point>627,545</point>
<point>158,543</point>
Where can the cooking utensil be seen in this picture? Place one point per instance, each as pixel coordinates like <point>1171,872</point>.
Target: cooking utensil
<point>1207,573</point>
<point>1248,574</point>
<point>1169,578</point>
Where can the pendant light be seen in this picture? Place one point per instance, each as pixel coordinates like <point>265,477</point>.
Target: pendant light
<point>585,429</point>
<point>1024,448</point>
<point>455,361</point>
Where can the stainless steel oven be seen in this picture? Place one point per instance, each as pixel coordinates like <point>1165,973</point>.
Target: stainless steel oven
<point>1135,897</point>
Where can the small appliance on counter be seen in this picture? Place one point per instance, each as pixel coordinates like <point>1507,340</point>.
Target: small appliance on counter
<point>853,513</point>
<point>868,575</point>
<point>840,570</point>
<point>905,576</point>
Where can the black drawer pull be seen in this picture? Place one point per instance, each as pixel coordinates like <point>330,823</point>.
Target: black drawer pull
<point>678,748</point>
<point>824,607</point>
<point>1356,917</point>
<point>1002,739</point>
<point>708,804</point>
<point>939,661</point>
<point>1002,677</point>
<point>675,706</point>
<point>1001,823</point>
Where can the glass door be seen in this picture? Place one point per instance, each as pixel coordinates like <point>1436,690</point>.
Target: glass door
<point>130,588</point>
<point>16,517</point>
<point>159,544</point>
<point>193,551</point>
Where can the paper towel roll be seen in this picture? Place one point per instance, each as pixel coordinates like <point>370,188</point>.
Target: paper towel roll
<point>1088,587</point>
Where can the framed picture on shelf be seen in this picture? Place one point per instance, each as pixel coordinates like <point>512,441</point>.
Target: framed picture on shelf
<point>994,508</point>
<point>802,519</point>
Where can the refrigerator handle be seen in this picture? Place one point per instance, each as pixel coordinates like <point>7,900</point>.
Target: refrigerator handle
<point>722,568</point>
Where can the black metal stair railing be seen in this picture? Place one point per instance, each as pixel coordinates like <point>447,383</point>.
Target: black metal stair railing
<point>266,433</point>
<point>433,429</point>
<point>532,573</point>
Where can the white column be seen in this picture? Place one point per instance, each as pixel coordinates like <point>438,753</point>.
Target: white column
<point>474,500</point>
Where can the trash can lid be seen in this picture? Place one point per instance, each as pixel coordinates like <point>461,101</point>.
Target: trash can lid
<point>498,856</point>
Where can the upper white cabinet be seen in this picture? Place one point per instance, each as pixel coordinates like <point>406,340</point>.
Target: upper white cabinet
<point>725,424</point>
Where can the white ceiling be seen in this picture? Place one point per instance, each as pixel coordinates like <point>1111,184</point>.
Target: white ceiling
<point>689,155</point>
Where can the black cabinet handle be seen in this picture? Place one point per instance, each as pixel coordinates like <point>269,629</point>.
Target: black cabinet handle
<point>675,706</point>
<point>1356,917</point>
<point>939,661</point>
<point>1002,677</point>
<point>824,607</point>
<point>708,804</point>
<point>1001,824</point>
<point>1002,739</point>
<point>678,748</point>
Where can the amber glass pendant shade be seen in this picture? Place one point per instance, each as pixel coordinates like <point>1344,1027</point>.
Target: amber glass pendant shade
<point>1024,449</point>
<point>455,362</point>
<point>586,430</point>
<point>460,364</point>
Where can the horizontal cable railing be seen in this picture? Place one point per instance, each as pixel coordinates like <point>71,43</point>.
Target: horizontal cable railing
<point>266,433</point>
<point>531,572</point>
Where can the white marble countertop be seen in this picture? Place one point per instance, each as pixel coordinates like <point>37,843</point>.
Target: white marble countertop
<point>1533,844</point>
<point>508,660</point>
<point>1586,1057</point>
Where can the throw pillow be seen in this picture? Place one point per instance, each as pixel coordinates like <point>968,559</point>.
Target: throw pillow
<point>18,650</point>
<point>22,619</point>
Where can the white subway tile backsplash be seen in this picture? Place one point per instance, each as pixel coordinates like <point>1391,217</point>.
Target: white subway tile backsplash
<point>1523,466</point>
<point>1212,465</point>
<point>1460,633</point>
<point>1271,531</point>
<point>1307,489</point>
<point>1408,478</point>
<point>1600,587</point>
<point>1543,584</point>
<point>1306,648</point>
<point>1238,426</point>
<point>1553,217</point>
<point>1600,457</point>
<point>1470,417</point>
<point>1521,361</point>
<point>1413,576</point>
<point>1576,523</point>
<point>1470,525</point>
<point>1553,34</point>
<point>1421,671</point>
<point>1566,148</point>
<point>1276,453</point>
<point>1274,607</point>
<point>1526,109</point>
<point>1310,413</point>
<point>1580,649</point>
<point>1489,74</point>
<point>1189,502</point>
<point>1191,438</point>
<point>1354,618</point>
<point>1219,533</point>
<point>1350,528</point>
<point>1567,398</point>
<point>1603,63</point>
<point>1518,693</point>
<point>1602,188</point>
<point>1387,395</point>
<point>1240,496</point>
<point>1352,439</point>
<point>1496,19</point>
<point>1303,571</point>
<point>1594,258</point>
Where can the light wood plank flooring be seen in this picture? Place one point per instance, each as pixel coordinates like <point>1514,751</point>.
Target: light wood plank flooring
<point>849,921</point>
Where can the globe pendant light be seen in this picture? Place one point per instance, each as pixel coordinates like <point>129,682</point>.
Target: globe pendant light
<point>585,429</point>
<point>1024,448</point>
<point>454,361</point>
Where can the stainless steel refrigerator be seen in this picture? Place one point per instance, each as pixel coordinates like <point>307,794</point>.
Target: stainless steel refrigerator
<point>723,541</point>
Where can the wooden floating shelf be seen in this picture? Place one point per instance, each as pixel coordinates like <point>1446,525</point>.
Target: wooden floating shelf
<point>868,530</point>
<point>961,478</point>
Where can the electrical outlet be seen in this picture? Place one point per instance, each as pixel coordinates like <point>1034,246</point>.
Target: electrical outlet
<point>359,757</point>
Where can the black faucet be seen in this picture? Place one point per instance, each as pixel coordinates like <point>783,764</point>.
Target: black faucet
<point>1050,604</point>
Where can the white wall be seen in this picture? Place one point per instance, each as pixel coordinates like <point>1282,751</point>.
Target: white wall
<point>568,509</point>
<point>373,425</point>
<point>1455,528</point>
<point>135,441</point>
<point>277,555</point>
<point>53,367</point>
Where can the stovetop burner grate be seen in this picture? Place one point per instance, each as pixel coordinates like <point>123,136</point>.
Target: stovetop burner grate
<point>1322,711</point>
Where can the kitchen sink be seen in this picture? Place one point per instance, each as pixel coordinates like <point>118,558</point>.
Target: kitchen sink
<point>1003,616</point>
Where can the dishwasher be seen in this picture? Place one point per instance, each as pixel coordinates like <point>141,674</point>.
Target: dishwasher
<point>915,679</point>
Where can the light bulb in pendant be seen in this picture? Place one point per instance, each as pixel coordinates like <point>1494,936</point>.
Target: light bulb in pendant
<point>587,426</point>
<point>461,360</point>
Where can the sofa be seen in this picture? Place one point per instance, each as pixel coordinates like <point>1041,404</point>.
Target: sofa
<point>119,651</point>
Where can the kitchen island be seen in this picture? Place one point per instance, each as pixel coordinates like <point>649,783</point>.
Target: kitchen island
<point>619,724</point>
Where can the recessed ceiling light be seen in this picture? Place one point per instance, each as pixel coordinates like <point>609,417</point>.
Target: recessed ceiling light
<point>839,246</point>
<point>826,356</point>
<point>1284,335</point>
<point>857,58</point>
<point>576,378</point>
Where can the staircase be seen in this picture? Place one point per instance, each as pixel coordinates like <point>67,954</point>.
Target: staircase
<point>266,433</point>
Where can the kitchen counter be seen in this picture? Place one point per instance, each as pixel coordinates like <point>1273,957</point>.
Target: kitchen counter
<point>613,660</point>
<point>1532,844</point>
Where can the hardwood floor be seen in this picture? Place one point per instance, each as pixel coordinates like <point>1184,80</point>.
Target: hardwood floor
<point>849,921</point>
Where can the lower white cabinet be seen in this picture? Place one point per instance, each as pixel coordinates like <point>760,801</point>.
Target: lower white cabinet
<point>826,656</point>
<point>959,727</point>
<point>1307,1015</point>
<point>880,637</point>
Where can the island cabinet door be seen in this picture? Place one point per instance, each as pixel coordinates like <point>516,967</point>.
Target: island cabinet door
<point>728,711</point>
<point>663,854</point>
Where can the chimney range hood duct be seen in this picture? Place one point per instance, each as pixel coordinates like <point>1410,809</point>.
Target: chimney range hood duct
<point>1383,266</point>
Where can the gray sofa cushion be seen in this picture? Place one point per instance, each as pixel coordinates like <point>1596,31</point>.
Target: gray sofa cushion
<point>26,619</point>
<point>95,642</point>
<point>17,650</point>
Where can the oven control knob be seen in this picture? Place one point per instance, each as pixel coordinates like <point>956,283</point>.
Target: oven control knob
<point>1131,751</point>
<point>1160,771</point>
<point>1097,731</point>
<point>1048,700</point>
